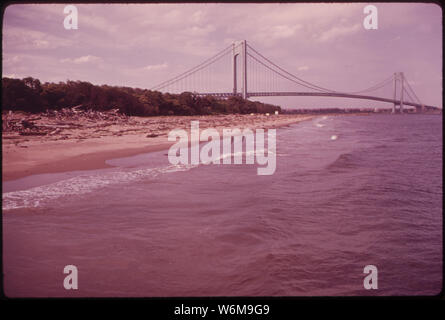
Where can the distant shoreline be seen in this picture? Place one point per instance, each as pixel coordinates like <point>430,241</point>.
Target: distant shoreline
<point>87,146</point>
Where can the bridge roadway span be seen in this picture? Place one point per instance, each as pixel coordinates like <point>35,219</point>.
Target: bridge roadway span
<point>318,94</point>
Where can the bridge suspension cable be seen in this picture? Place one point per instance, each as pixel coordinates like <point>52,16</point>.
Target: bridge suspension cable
<point>407,93</point>
<point>277,72</point>
<point>314,86</point>
<point>377,86</point>
<point>308,84</point>
<point>412,91</point>
<point>193,70</point>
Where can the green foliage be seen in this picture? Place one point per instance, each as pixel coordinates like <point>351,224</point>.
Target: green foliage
<point>30,95</point>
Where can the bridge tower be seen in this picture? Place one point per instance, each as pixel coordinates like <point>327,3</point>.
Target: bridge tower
<point>398,77</point>
<point>402,80</point>
<point>395,93</point>
<point>240,50</point>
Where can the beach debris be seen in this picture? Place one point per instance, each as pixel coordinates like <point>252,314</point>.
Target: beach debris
<point>152,135</point>
<point>32,133</point>
<point>81,123</point>
<point>55,131</point>
<point>27,124</point>
<point>52,122</point>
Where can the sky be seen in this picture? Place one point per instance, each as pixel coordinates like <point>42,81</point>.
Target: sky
<point>141,45</point>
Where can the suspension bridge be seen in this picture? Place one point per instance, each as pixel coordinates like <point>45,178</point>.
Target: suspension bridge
<point>240,70</point>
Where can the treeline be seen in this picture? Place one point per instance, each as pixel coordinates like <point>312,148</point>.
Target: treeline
<point>31,95</point>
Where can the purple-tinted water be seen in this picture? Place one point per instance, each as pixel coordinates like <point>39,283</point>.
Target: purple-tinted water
<point>333,206</point>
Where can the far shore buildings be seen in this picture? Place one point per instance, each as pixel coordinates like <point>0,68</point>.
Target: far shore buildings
<point>406,109</point>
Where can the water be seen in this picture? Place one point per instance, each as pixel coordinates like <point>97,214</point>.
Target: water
<point>348,191</point>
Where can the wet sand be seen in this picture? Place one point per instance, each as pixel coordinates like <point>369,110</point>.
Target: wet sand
<point>85,147</point>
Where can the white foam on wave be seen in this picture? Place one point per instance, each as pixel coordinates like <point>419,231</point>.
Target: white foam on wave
<point>318,122</point>
<point>35,197</point>
<point>244,153</point>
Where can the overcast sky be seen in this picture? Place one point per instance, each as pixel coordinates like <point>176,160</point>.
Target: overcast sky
<point>141,45</point>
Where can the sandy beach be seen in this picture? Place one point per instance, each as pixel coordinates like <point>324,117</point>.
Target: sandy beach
<point>84,144</point>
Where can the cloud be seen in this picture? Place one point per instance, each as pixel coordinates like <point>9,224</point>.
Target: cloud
<point>11,75</point>
<point>283,31</point>
<point>89,20</point>
<point>28,39</point>
<point>199,31</point>
<point>197,16</point>
<point>11,59</point>
<point>83,59</point>
<point>155,66</point>
<point>41,43</point>
<point>338,31</point>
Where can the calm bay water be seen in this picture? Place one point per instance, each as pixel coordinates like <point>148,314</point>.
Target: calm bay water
<point>372,196</point>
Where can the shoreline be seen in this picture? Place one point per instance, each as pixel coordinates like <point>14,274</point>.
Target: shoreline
<point>25,156</point>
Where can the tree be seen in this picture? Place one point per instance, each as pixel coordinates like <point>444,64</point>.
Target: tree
<point>30,95</point>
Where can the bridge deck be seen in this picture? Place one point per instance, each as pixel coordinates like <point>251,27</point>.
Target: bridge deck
<point>317,94</point>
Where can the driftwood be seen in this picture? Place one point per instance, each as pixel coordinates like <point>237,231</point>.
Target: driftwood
<point>54,121</point>
<point>32,133</point>
<point>152,135</point>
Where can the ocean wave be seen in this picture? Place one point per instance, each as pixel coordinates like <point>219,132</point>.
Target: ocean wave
<point>343,161</point>
<point>83,184</point>
<point>319,122</point>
